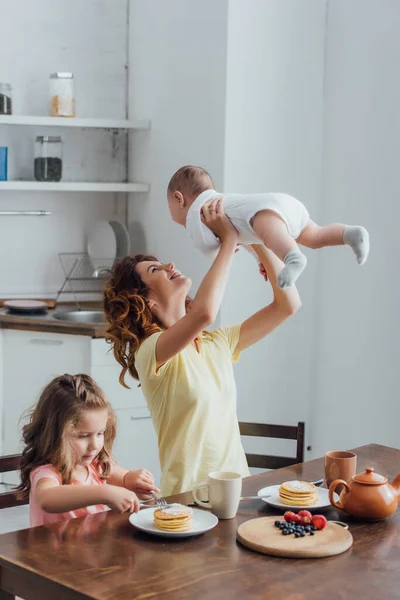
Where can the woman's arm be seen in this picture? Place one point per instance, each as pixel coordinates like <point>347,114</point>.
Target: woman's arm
<point>285,303</point>
<point>208,299</point>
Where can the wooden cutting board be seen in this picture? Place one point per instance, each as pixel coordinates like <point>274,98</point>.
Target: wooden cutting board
<point>262,536</point>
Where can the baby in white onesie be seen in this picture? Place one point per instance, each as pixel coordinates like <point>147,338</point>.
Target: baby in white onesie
<point>277,220</point>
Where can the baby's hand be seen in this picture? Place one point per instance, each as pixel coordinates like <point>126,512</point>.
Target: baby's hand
<point>120,499</point>
<point>142,482</point>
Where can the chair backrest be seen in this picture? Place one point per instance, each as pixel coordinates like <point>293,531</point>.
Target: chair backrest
<point>10,498</point>
<point>286,432</point>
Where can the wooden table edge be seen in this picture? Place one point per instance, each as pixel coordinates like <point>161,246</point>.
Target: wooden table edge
<point>20,580</point>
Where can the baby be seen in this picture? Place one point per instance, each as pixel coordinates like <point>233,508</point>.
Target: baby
<point>277,220</point>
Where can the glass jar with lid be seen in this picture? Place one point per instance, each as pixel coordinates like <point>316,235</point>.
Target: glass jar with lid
<point>5,99</point>
<point>62,101</point>
<point>48,158</point>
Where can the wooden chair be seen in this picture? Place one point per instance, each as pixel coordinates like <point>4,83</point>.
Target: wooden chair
<point>285,432</point>
<point>10,463</point>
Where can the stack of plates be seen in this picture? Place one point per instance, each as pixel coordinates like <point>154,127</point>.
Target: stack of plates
<point>26,307</point>
<point>107,241</point>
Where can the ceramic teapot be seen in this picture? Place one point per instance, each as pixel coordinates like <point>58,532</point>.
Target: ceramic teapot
<point>367,496</point>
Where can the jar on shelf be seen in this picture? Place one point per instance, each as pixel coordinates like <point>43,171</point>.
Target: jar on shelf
<point>48,158</point>
<point>62,101</point>
<point>5,99</point>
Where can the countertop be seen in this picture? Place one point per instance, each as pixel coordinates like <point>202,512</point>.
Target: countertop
<point>49,324</point>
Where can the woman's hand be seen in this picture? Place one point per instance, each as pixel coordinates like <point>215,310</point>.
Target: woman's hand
<point>207,301</point>
<point>141,482</point>
<point>213,215</point>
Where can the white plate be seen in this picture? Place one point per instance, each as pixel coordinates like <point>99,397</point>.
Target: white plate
<point>102,243</point>
<point>123,240</point>
<point>26,306</point>
<point>202,521</point>
<point>274,500</point>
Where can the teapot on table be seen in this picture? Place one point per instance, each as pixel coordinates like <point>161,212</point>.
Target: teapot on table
<point>368,496</point>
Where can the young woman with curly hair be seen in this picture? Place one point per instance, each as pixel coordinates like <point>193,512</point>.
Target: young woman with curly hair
<point>159,336</point>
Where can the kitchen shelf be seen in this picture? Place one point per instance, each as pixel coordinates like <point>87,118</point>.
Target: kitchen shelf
<point>72,186</point>
<point>89,123</point>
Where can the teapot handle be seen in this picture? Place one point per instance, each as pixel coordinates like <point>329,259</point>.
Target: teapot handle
<point>332,488</point>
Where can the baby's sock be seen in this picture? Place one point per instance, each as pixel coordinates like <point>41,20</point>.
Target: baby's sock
<point>295,263</point>
<point>358,239</point>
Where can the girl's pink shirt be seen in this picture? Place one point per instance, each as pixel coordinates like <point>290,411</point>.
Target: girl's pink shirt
<point>40,517</point>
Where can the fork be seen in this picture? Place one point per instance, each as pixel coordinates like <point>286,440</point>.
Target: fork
<point>160,502</point>
<point>255,497</point>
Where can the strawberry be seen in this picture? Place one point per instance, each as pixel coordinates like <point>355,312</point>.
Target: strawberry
<point>305,516</point>
<point>288,516</point>
<point>296,519</point>
<point>319,521</point>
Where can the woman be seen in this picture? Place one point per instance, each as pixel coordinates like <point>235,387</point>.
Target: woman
<point>159,336</point>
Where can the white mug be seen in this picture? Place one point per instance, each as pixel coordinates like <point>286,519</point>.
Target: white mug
<point>224,492</point>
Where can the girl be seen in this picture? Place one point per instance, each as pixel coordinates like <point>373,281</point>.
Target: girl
<point>66,466</point>
<point>186,373</point>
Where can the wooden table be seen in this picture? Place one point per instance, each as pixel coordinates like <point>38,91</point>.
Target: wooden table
<point>103,557</point>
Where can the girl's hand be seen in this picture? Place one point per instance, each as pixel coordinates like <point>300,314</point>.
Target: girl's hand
<point>141,482</point>
<point>213,215</point>
<point>120,499</point>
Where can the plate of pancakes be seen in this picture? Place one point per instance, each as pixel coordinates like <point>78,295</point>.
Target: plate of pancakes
<point>292,495</point>
<point>174,520</point>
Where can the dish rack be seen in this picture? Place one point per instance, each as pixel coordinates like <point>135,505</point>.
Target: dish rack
<point>83,274</point>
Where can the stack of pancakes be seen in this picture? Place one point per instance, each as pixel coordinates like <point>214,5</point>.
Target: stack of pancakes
<point>174,518</point>
<point>298,493</point>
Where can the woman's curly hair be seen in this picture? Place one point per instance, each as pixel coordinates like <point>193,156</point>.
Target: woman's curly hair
<point>130,318</point>
<point>128,314</point>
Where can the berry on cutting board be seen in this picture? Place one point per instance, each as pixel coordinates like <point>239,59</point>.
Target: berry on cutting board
<point>306,516</point>
<point>288,516</point>
<point>319,521</point>
<point>301,524</point>
<point>292,517</point>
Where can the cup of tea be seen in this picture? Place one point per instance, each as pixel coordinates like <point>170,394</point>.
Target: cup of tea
<point>339,465</point>
<point>224,492</point>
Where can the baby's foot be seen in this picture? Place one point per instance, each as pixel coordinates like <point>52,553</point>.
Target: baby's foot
<point>295,263</point>
<point>358,239</point>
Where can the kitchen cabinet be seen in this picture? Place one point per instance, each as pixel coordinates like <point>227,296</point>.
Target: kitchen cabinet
<point>136,444</point>
<point>106,371</point>
<point>29,360</point>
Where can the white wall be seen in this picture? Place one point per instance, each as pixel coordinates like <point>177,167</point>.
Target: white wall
<point>178,80</point>
<point>356,399</point>
<point>304,101</point>
<point>251,114</point>
<point>37,38</point>
<point>274,143</point>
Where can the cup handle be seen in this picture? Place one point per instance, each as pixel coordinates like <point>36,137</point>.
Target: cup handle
<point>332,488</point>
<point>196,499</point>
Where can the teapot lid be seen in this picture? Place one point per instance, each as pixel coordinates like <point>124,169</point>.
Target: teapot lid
<point>370,477</point>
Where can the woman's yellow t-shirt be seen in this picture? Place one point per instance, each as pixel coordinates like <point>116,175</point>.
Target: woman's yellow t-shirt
<point>192,401</point>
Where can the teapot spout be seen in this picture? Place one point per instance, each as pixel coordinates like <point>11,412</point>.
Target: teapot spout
<point>396,485</point>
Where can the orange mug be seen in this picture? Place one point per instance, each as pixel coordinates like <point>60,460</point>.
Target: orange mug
<point>339,465</point>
